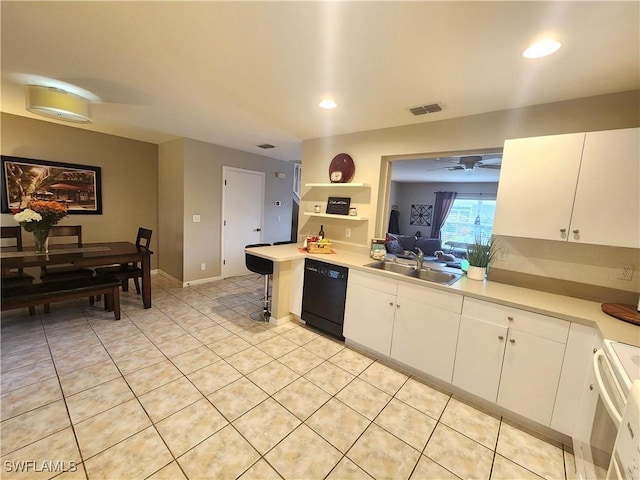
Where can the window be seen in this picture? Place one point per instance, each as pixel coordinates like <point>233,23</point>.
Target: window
<point>470,218</point>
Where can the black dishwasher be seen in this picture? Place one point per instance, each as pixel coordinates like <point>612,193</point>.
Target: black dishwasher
<point>324,295</point>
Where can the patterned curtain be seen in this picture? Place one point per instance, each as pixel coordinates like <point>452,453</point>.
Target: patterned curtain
<point>444,202</point>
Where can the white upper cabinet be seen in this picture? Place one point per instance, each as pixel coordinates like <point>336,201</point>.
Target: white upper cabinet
<point>575,187</point>
<point>607,202</point>
<point>537,184</point>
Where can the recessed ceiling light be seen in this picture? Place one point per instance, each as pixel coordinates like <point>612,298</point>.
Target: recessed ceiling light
<point>541,49</point>
<point>328,104</point>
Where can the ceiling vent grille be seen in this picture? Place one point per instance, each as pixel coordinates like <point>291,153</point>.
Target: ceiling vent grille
<point>421,110</point>
<point>266,146</point>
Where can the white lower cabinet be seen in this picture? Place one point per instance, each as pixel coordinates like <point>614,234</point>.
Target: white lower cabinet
<point>479,357</point>
<point>370,310</point>
<point>530,375</point>
<point>414,324</point>
<point>511,357</point>
<point>505,355</point>
<point>575,369</point>
<point>425,330</point>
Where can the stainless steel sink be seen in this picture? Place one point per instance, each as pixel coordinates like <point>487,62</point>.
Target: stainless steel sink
<point>444,278</point>
<point>427,274</point>
<point>392,267</point>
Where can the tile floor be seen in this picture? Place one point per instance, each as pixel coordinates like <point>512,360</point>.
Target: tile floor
<point>193,388</point>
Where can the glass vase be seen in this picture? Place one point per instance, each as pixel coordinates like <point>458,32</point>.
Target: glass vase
<point>41,238</point>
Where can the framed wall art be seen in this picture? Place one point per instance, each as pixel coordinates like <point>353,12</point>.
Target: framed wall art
<point>421,215</point>
<point>78,187</point>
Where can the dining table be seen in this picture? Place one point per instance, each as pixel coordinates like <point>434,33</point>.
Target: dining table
<point>89,255</point>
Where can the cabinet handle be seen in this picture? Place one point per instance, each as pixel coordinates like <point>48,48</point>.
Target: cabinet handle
<point>391,304</point>
<point>595,350</point>
<point>591,387</point>
<point>576,232</point>
<point>512,340</point>
<point>563,230</point>
<point>500,337</point>
<point>397,305</point>
<point>510,319</point>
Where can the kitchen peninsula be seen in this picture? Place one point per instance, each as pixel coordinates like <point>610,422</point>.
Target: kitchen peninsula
<point>287,290</point>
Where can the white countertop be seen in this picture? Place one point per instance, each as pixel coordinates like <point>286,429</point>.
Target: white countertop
<point>560,306</point>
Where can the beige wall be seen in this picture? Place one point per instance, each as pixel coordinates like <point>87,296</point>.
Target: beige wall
<point>201,171</point>
<point>129,171</point>
<point>171,207</point>
<point>372,150</point>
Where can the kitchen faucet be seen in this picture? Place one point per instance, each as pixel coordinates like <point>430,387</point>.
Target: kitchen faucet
<point>419,257</point>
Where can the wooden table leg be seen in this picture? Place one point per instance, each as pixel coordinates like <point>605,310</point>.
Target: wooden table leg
<point>146,281</point>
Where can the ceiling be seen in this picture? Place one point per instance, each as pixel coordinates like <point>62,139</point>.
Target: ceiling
<point>447,170</point>
<point>240,74</point>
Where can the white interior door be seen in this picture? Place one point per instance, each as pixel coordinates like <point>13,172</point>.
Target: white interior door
<point>243,202</point>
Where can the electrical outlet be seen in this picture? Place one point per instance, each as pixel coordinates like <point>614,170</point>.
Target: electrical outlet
<point>347,233</point>
<point>203,266</point>
<point>626,272</point>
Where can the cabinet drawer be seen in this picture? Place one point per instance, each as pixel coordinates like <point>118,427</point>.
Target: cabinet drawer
<point>374,282</point>
<point>514,318</point>
<point>450,302</point>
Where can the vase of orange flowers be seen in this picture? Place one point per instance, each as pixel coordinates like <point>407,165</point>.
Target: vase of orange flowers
<point>38,218</point>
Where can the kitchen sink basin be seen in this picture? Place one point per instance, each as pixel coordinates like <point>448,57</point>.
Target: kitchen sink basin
<point>424,273</point>
<point>436,276</point>
<point>393,267</point>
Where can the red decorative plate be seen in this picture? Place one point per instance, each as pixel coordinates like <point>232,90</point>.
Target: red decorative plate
<point>341,169</point>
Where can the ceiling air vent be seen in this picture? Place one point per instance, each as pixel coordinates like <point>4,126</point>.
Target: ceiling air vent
<point>266,146</point>
<point>421,110</point>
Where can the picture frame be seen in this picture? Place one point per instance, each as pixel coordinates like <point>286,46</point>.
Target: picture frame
<point>338,205</point>
<point>78,187</point>
<point>421,215</point>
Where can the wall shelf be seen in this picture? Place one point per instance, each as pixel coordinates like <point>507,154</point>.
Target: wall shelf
<point>329,215</point>
<point>338,185</point>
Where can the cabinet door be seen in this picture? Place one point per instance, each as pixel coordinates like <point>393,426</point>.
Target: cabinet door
<point>607,202</point>
<point>537,185</point>
<point>424,337</point>
<point>530,375</point>
<point>368,317</point>
<point>479,357</point>
<point>575,367</point>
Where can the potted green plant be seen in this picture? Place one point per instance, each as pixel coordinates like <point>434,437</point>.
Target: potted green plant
<point>479,255</point>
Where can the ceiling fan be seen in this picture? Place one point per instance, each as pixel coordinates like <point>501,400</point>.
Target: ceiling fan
<point>470,163</point>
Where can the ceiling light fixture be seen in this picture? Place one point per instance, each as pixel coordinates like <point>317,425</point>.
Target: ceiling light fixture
<point>57,103</point>
<point>328,104</point>
<point>541,49</point>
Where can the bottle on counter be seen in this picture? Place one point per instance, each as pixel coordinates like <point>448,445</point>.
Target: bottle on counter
<point>321,233</point>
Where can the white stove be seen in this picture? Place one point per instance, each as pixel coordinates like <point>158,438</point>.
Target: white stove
<point>625,362</point>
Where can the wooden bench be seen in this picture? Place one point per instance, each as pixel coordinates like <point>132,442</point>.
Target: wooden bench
<point>46,293</point>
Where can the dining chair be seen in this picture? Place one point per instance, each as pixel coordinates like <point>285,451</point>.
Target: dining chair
<point>126,271</point>
<point>262,266</point>
<point>12,237</point>
<point>59,274</point>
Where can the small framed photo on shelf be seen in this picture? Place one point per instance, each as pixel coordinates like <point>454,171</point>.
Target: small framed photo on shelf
<point>338,205</point>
